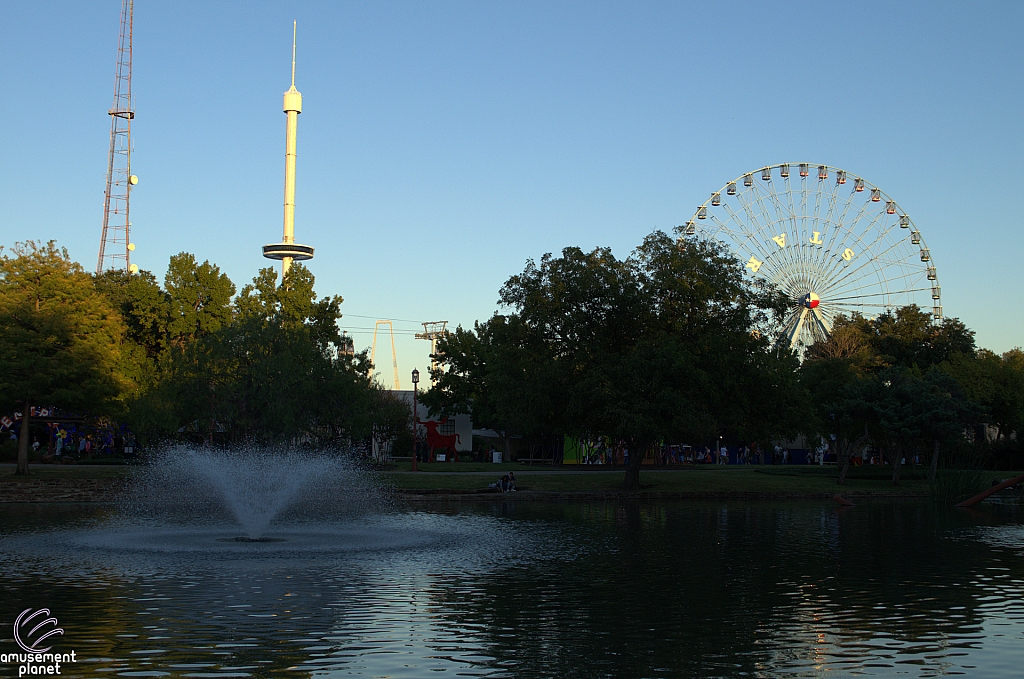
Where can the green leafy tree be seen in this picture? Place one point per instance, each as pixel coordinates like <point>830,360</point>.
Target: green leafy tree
<point>830,371</point>
<point>144,307</point>
<point>61,338</point>
<point>589,313</point>
<point>145,310</point>
<point>904,412</point>
<point>829,379</point>
<point>714,327</point>
<point>909,338</point>
<point>178,329</point>
<point>199,296</point>
<point>294,374</point>
<point>274,368</point>
<point>946,411</point>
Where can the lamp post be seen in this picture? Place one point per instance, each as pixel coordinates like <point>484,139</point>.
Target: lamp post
<point>415,413</point>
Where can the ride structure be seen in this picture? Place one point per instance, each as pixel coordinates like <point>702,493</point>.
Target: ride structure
<point>829,240</point>
<point>394,354</point>
<point>433,331</point>
<point>288,250</point>
<point>115,240</point>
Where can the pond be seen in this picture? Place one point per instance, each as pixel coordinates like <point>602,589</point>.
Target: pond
<point>515,588</point>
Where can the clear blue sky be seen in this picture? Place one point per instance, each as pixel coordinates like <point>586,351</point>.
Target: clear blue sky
<point>444,143</point>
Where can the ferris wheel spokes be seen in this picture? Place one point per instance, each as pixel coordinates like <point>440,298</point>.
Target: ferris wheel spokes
<point>843,243</point>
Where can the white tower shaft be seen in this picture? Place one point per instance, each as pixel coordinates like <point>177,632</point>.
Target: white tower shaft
<point>292,108</point>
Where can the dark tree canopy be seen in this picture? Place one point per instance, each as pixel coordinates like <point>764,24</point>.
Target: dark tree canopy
<point>886,381</point>
<point>664,345</point>
<point>270,366</point>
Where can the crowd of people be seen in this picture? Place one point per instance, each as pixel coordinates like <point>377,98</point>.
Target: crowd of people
<point>69,443</point>
<point>753,454</point>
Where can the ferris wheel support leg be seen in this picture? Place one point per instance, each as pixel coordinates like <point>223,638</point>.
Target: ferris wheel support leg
<point>823,325</point>
<point>794,332</point>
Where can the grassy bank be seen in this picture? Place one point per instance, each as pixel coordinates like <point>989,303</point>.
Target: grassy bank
<point>697,480</point>
<point>704,479</point>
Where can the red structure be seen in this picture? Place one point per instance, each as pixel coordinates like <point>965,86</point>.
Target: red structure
<point>991,491</point>
<point>437,441</point>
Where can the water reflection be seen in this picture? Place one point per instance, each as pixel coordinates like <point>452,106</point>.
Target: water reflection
<point>530,589</point>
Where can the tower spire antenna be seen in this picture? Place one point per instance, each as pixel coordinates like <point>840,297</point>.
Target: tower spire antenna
<point>288,250</point>
<point>115,241</point>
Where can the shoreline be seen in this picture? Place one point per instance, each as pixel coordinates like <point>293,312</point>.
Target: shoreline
<point>106,491</point>
<point>43,490</point>
<point>431,494</point>
<point>101,486</point>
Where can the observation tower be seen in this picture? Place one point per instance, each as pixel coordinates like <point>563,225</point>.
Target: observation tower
<point>288,250</point>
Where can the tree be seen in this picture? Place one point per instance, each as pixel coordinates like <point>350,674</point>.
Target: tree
<point>199,296</point>
<point>908,337</point>
<point>178,330</point>
<point>829,373</point>
<point>851,377</point>
<point>502,372</point>
<point>903,411</point>
<point>708,336</point>
<point>145,310</point>
<point>996,383</point>
<point>61,339</point>
<point>294,375</point>
<point>144,307</point>
<point>667,343</point>
<point>274,368</point>
<point>945,412</point>
<point>390,417</point>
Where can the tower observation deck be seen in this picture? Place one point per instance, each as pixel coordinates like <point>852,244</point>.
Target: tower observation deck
<point>288,250</point>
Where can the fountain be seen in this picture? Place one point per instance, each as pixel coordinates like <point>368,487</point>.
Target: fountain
<point>250,487</point>
<point>251,501</point>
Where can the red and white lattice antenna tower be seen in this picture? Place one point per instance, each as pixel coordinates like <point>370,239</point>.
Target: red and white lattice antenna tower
<point>115,243</point>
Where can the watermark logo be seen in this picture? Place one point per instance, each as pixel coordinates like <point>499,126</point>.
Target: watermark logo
<point>28,640</point>
<point>32,629</point>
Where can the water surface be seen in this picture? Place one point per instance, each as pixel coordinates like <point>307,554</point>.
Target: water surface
<point>531,589</point>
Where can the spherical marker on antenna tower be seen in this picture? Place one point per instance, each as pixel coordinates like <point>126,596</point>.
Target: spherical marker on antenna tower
<point>288,250</point>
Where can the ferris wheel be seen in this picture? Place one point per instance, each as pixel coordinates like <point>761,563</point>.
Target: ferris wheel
<point>830,241</point>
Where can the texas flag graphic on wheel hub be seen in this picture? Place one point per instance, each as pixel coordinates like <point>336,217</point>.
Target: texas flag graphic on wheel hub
<point>811,300</point>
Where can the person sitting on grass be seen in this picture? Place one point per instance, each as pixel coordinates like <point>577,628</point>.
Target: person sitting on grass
<point>506,484</point>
